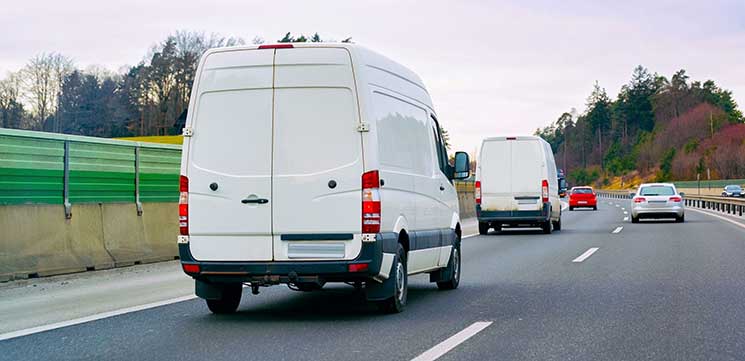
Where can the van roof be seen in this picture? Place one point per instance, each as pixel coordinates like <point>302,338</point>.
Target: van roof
<point>368,57</point>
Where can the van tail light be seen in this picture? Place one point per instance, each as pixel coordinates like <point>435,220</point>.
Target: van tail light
<point>371,202</point>
<point>477,192</point>
<point>676,199</point>
<point>544,191</point>
<point>640,200</point>
<point>183,206</point>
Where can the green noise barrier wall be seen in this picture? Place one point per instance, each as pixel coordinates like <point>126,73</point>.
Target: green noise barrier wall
<point>48,168</point>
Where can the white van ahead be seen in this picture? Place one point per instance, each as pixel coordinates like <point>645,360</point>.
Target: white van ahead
<point>516,184</point>
<point>312,163</point>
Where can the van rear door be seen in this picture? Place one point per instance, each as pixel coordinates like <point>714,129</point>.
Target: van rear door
<point>229,158</point>
<point>528,168</point>
<point>495,175</point>
<point>317,171</point>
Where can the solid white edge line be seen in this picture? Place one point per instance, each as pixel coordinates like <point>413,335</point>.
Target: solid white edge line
<point>98,316</point>
<point>564,206</point>
<point>585,255</point>
<point>718,216</point>
<point>443,347</point>
<point>618,230</point>
<point>469,236</point>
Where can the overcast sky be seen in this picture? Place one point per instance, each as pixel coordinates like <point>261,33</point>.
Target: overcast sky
<point>492,67</point>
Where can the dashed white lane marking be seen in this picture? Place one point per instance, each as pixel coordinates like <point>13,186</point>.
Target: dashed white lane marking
<point>98,316</point>
<point>718,216</point>
<point>618,230</point>
<point>585,255</point>
<point>625,212</point>
<point>443,347</point>
<point>618,205</point>
<point>625,219</point>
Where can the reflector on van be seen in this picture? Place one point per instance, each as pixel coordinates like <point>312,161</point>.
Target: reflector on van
<point>276,46</point>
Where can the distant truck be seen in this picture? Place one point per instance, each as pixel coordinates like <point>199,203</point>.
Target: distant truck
<point>562,183</point>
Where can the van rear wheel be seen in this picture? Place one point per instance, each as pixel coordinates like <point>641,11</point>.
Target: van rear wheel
<point>231,299</point>
<point>547,227</point>
<point>399,276</point>
<point>453,269</point>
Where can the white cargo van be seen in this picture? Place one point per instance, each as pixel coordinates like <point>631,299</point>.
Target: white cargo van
<point>312,163</point>
<point>516,184</point>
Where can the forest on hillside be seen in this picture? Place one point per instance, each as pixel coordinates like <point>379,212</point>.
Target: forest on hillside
<point>50,93</point>
<point>656,128</point>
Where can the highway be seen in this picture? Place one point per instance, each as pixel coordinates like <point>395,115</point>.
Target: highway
<point>600,289</point>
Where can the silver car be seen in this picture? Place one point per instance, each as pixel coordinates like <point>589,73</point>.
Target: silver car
<point>657,200</point>
<point>732,190</point>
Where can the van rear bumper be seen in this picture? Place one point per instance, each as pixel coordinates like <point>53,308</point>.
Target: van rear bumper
<point>514,217</point>
<point>276,272</point>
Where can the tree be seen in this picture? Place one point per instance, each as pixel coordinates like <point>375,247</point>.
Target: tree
<point>599,115</point>
<point>43,78</point>
<point>12,113</point>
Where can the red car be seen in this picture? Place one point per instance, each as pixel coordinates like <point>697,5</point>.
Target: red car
<point>583,197</point>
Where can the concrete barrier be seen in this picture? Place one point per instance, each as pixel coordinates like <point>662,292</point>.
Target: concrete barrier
<point>36,240</point>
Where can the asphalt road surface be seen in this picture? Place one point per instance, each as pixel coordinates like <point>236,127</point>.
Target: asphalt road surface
<point>593,291</point>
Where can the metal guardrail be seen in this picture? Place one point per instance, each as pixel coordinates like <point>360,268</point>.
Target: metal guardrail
<point>735,206</point>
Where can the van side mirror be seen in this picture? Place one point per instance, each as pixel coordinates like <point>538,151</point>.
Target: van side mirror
<point>462,169</point>
<point>682,194</point>
<point>632,194</point>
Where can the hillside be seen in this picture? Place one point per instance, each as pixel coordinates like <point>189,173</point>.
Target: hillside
<point>655,129</point>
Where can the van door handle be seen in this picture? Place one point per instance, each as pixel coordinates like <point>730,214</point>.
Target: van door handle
<point>442,188</point>
<point>255,200</point>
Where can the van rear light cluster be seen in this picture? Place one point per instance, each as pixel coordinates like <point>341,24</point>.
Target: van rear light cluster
<point>477,192</point>
<point>544,191</point>
<point>183,206</point>
<point>676,199</point>
<point>371,202</point>
<point>640,200</point>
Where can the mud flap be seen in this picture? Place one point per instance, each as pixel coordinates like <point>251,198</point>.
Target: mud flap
<point>379,291</point>
<point>208,291</point>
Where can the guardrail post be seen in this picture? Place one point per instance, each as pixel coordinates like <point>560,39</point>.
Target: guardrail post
<point>66,181</point>
<point>137,181</point>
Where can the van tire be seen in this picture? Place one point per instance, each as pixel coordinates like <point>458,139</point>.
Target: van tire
<point>595,208</point>
<point>231,299</point>
<point>571,208</point>
<point>547,227</point>
<point>497,227</point>
<point>453,269</point>
<point>483,228</point>
<point>634,219</point>
<point>399,276</point>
